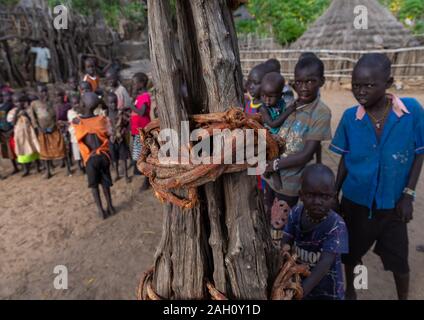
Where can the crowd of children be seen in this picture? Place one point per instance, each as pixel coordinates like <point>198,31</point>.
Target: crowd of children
<point>94,126</point>
<point>381,142</point>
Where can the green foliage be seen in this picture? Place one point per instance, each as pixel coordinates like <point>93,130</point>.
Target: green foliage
<point>112,10</point>
<point>285,20</point>
<point>408,9</point>
<point>9,2</point>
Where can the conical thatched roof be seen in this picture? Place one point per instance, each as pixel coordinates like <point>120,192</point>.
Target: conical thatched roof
<point>335,29</point>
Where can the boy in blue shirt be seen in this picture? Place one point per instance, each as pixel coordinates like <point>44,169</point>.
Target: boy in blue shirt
<point>318,234</point>
<point>382,145</point>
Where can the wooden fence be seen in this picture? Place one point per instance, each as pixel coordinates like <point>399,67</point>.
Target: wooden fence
<point>408,63</point>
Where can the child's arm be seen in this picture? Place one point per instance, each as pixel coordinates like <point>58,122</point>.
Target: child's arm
<point>281,118</point>
<point>295,160</point>
<point>140,111</point>
<point>266,118</point>
<point>341,175</point>
<point>320,130</point>
<point>286,242</point>
<point>404,207</point>
<point>12,117</point>
<point>320,271</point>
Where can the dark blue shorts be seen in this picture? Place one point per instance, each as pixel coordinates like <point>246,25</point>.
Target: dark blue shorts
<point>382,228</point>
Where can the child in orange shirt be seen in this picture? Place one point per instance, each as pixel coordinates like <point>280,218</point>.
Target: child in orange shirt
<point>92,133</point>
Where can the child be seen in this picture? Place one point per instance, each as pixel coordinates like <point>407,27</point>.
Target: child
<point>91,76</point>
<point>72,89</point>
<point>318,234</point>
<point>140,118</point>
<point>73,113</point>
<point>41,62</point>
<point>275,66</point>
<point>124,99</point>
<point>62,107</point>
<point>382,145</point>
<point>27,147</point>
<point>303,131</point>
<point>273,109</point>
<point>119,123</point>
<point>253,101</point>
<point>93,138</point>
<point>7,143</point>
<point>52,145</point>
<point>253,86</point>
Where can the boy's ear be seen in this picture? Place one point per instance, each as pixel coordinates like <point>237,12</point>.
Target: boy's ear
<point>390,82</point>
<point>322,82</point>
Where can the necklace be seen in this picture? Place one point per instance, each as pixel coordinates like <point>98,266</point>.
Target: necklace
<point>314,220</point>
<point>378,122</point>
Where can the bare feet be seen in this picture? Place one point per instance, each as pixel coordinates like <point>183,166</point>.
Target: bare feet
<point>111,211</point>
<point>102,214</point>
<point>146,184</point>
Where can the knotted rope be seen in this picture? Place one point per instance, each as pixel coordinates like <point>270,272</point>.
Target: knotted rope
<point>165,177</point>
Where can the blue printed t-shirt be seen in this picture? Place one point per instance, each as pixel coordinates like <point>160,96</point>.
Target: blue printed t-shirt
<point>328,236</point>
<point>378,170</point>
<point>274,112</point>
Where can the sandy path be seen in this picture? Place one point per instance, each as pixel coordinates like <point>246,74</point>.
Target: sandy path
<point>49,223</point>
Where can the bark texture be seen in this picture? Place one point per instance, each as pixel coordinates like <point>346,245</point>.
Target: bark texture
<point>226,237</point>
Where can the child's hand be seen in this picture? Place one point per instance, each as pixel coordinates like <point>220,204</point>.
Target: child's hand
<point>405,208</point>
<point>286,248</point>
<point>269,167</point>
<point>291,108</point>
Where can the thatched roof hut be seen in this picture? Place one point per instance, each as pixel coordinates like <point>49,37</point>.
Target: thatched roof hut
<point>335,29</point>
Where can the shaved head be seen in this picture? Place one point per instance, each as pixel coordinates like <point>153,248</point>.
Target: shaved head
<point>273,65</point>
<point>90,101</point>
<point>273,82</point>
<point>318,174</point>
<point>377,62</point>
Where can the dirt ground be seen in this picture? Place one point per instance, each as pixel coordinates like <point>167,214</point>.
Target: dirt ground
<point>48,223</point>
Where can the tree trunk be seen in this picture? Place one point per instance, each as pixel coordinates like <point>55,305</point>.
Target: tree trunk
<point>226,237</point>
